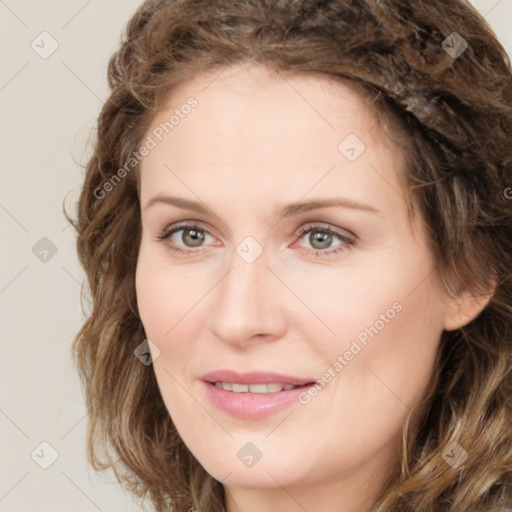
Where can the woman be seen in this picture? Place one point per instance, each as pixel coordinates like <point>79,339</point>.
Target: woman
<point>297,236</point>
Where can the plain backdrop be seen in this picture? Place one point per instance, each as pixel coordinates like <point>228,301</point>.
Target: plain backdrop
<point>48,107</point>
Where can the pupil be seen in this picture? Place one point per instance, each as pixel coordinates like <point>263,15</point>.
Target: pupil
<point>194,236</point>
<point>325,239</point>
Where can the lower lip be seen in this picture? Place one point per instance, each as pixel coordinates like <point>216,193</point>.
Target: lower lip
<point>252,405</point>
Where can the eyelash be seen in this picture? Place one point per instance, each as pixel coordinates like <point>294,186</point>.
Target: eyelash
<point>167,233</point>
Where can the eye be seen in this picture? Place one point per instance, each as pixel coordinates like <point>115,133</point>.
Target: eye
<point>192,236</point>
<point>321,239</point>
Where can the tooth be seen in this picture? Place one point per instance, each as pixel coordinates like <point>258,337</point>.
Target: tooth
<point>254,388</point>
<point>240,388</point>
<point>258,388</point>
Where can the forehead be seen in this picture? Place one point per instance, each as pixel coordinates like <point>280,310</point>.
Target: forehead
<point>245,102</point>
<point>258,128</point>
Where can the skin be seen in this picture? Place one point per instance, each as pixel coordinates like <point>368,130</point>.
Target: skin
<point>256,141</point>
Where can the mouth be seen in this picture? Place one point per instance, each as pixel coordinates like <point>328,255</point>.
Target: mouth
<point>253,395</point>
<point>254,378</point>
<point>274,387</point>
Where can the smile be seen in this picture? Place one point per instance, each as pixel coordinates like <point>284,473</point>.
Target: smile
<point>255,388</point>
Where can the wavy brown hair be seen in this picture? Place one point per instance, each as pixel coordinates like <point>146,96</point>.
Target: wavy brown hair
<point>453,117</point>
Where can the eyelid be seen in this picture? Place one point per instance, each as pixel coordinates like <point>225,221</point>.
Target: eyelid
<point>325,226</point>
<point>178,226</point>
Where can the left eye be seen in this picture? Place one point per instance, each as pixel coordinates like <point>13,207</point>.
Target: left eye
<point>324,239</point>
<point>193,237</point>
<point>321,239</point>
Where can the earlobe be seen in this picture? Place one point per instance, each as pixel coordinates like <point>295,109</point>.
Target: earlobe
<point>465,308</point>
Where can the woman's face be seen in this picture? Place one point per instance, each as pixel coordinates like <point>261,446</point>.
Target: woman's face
<point>250,289</point>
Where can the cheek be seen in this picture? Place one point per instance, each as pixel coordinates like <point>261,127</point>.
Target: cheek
<point>171,304</point>
<point>388,324</point>
<point>387,340</point>
<point>152,295</point>
<point>164,297</point>
<point>377,368</point>
<point>164,300</point>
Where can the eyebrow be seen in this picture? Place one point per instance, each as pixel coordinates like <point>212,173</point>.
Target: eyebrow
<point>285,211</point>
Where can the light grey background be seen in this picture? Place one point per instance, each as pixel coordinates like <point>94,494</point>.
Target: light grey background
<point>48,108</point>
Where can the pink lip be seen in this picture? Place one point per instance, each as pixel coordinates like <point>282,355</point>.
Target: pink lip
<point>253,378</point>
<point>252,405</point>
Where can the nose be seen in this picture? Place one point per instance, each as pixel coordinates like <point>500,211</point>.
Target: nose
<point>248,304</point>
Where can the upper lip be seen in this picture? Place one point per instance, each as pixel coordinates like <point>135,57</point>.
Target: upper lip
<point>255,377</point>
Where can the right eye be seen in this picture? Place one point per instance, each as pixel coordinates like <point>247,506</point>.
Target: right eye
<point>192,235</point>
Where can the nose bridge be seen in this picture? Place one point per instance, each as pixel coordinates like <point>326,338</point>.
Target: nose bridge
<point>246,299</point>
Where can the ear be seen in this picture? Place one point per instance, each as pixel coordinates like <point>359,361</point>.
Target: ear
<point>466,307</point>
